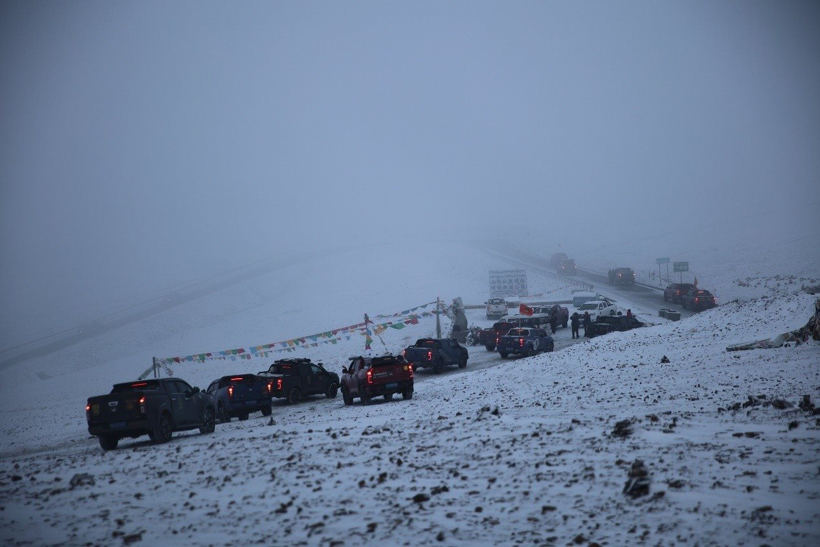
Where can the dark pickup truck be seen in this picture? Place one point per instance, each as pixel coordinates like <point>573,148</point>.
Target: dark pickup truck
<point>489,337</point>
<point>674,292</point>
<point>698,299</point>
<point>621,276</point>
<point>605,324</point>
<point>155,408</point>
<point>525,341</point>
<point>292,379</point>
<point>567,267</point>
<point>240,395</point>
<point>370,377</point>
<point>436,353</point>
<point>558,315</point>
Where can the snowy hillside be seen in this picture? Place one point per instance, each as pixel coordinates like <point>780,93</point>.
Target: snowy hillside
<point>528,451</point>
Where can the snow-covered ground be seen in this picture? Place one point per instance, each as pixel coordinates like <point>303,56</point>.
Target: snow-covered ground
<point>504,451</point>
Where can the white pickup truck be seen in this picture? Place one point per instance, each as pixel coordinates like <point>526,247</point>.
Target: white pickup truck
<point>496,308</point>
<point>597,307</point>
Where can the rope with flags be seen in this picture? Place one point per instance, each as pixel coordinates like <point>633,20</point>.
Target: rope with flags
<point>333,336</point>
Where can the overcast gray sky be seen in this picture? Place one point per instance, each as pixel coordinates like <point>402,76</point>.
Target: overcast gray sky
<point>143,140</point>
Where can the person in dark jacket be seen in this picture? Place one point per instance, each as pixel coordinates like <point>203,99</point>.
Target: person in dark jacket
<point>587,322</point>
<point>575,320</point>
<point>629,313</point>
<point>554,322</point>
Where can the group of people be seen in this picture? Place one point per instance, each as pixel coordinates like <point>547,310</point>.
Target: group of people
<point>575,322</point>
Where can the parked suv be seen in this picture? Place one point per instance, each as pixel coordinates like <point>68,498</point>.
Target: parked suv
<point>674,292</point>
<point>292,379</point>
<point>496,307</point>
<point>698,299</point>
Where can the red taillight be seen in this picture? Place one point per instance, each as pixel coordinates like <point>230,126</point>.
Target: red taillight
<point>236,379</point>
<point>142,404</point>
<point>497,340</point>
<point>370,376</point>
<point>140,384</point>
<point>230,391</point>
<point>270,387</point>
<point>677,292</point>
<point>279,384</point>
<point>521,342</point>
<point>411,371</point>
<point>142,400</point>
<point>696,300</point>
<point>88,408</point>
<point>714,301</point>
<point>429,356</point>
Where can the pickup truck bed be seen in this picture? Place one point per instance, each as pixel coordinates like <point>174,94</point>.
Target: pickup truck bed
<point>436,353</point>
<point>239,395</point>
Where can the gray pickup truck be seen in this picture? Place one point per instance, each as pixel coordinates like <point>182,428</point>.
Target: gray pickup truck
<point>436,353</point>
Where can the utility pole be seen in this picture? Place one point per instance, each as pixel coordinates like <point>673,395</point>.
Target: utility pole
<point>156,372</point>
<point>438,317</point>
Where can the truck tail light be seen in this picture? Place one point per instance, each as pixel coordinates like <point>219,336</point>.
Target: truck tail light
<point>404,353</point>
<point>230,391</point>
<point>88,408</point>
<point>521,342</point>
<point>411,372</point>
<point>429,356</point>
<point>696,300</point>
<point>270,387</point>
<point>142,404</point>
<point>497,340</point>
<point>279,384</point>
<point>370,376</point>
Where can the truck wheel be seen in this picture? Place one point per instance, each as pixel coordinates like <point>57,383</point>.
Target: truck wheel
<point>463,362</point>
<point>346,397</point>
<point>163,431</point>
<point>503,354</point>
<point>267,410</point>
<point>530,352</point>
<point>407,393</point>
<point>332,390</point>
<point>364,397</point>
<point>388,396</point>
<point>294,396</point>
<point>208,422</point>
<point>108,442</point>
<point>224,417</point>
<point>490,347</point>
<point>438,368</point>
<point>243,416</point>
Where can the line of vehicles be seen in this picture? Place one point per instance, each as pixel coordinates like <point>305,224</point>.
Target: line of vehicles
<point>160,407</point>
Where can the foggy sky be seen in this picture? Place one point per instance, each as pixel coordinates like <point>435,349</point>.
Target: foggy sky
<point>141,141</point>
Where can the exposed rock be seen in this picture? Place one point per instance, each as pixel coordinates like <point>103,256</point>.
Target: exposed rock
<point>637,484</point>
<point>623,429</point>
<point>82,479</point>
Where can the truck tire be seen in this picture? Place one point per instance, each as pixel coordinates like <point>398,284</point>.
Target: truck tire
<point>407,394</point>
<point>164,430</point>
<point>267,410</point>
<point>332,390</point>
<point>530,352</point>
<point>208,421</point>
<point>463,362</point>
<point>490,347</point>
<point>364,398</point>
<point>348,400</point>
<point>388,396</point>
<point>503,354</point>
<point>438,367</point>
<point>294,395</point>
<point>108,442</point>
<point>224,417</point>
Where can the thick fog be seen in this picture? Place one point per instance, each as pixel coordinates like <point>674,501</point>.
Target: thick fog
<point>145,143</point>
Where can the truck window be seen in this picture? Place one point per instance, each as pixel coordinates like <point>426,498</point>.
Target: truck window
<point>172,387</point>
<point>182,386</point>
<point>316,371</point>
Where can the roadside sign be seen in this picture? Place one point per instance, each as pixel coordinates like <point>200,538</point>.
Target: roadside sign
<point>508,283</point>
<point>680,266</point>
<point>664,260</point>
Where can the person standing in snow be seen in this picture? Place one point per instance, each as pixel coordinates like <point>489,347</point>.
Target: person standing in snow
<point>554,321</point>
<point>575,320</point>
<point>587,322</point>
<point>629,313</point>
